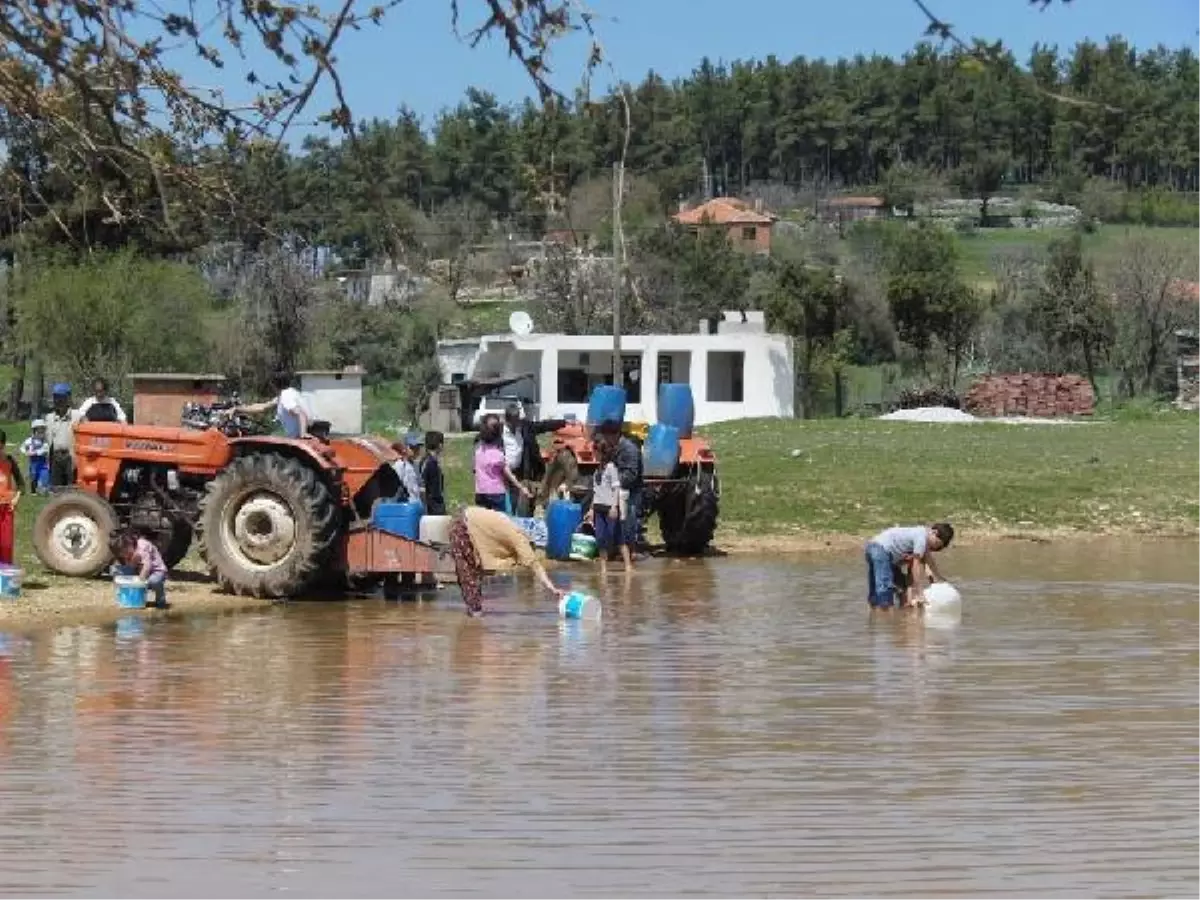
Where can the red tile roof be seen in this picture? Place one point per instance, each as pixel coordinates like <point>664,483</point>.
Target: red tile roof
<point>724,211</point>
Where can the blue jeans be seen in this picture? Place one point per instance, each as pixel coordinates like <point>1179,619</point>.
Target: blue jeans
<point>156,584</point>
<point>883,577</point>
<point>631,526</point>
<point>607,531</point>
<point>39,473</point>
<point>497,502</point>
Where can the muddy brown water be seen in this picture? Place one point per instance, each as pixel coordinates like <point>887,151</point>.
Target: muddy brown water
<point>734,727</point>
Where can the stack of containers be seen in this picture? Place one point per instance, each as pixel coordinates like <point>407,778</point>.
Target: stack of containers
<point>676,422</point>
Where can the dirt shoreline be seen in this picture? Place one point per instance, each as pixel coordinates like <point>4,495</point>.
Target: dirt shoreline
<point>50,601</point>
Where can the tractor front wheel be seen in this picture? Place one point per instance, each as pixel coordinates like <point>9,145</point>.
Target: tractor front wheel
<point>267,527</point>
<point>72,533</point>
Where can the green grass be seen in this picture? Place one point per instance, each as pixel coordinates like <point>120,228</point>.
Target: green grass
<point>980,248</point>
<point>852,476</point>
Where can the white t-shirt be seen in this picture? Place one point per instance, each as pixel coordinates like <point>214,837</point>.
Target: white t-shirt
<point>514,448</point>
<point>81,413</point>
<point>290,402</point>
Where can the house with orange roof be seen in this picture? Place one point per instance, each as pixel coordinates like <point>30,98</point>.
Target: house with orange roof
<point>747,225</point>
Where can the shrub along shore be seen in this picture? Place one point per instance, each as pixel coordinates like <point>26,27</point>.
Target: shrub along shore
<point>825,486</point>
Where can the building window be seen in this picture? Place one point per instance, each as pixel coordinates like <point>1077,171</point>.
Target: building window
<point>666,368</point>
<point>749,233</point>
<point>572,386</point>
<point>725,376</point>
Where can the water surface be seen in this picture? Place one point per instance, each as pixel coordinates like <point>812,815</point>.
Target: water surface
<point>735,727</point>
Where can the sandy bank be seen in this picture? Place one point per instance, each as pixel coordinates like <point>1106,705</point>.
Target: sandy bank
<point>50,601</point>
<point>806,542</point>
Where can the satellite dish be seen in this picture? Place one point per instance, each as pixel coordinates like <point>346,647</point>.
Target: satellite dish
<point>520,323</point>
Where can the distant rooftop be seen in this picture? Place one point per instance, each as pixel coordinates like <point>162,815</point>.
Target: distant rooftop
<point>724,211</point>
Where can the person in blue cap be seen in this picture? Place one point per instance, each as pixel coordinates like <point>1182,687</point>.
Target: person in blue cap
<point>408,450</point>
<point>60,434</point>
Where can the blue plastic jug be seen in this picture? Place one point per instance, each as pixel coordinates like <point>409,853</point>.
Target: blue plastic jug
<point>607,404</point>
<point>401,519</point>
<point>660,453</point>
<point>677,407</point>
<point>563,517</point>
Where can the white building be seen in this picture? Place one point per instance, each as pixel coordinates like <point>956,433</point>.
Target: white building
<point>736,369</point>
<point>335,397</point>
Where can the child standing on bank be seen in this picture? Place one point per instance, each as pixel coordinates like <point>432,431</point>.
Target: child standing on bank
<point>607,509</point>
<point>11,486</point>
<point>138,556</point>
<point>36,449</point>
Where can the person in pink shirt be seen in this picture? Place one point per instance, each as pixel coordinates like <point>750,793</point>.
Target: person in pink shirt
<point>138,556</point>
<point>492,475</point>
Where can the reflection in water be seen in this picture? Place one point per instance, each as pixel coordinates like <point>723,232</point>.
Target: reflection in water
<point>733,727</point>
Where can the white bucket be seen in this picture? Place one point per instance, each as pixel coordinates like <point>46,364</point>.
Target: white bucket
<point>576,605</point>
<point>435,530</point>
<point>940,595</point>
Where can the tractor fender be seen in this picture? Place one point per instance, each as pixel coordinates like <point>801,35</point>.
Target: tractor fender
<point>321,458</point>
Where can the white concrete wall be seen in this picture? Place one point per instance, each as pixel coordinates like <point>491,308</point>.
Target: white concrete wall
<point>767,371</point>
<point>337,400</point>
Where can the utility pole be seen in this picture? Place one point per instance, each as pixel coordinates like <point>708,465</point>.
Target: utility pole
<point>618,371</point>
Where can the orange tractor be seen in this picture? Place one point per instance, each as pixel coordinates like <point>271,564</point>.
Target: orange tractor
<point>686,503</point>
<point>273,516</point>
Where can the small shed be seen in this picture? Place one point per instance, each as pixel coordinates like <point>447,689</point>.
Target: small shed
<point>159,397</point>
<point>335,396</point>
<point>1187,369</point>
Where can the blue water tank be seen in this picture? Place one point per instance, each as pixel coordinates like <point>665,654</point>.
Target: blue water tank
<point>660,453</point>
<point>563,518</point>
<point>607,404</point>
<point>676,407</point>
<point>401,519</point>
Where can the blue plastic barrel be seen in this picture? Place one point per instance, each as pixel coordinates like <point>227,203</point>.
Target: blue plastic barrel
<point>400,519</point>
<point>660,453</point>
<point>677,407</point>
<point>607,404</point>
<point>563,517</point>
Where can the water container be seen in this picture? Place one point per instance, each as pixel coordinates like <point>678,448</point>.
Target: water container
<point>10,582</point>
<point>576,605</point>
<point>400,519</point>
<point>607,404</point>
<point>677,407</point>
<point>562,519</point>
<point>583,547</point>
<point>940,595</point>
<point>660,453</point>
<point>435,529</point>
<point>131,591</point>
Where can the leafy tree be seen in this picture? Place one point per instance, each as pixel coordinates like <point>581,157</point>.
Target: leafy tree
<point>983,177</point>
<point>1071,311</point>
<point>808,302</point>
<point>926,293</point>
<point>109,315</point>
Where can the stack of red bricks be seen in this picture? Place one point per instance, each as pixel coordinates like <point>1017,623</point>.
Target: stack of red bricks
<point>1048,396</point>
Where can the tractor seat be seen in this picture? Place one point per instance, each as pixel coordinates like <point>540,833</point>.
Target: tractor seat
<point>318,428</point>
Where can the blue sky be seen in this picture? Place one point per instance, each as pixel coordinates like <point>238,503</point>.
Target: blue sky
<point>415,59</point>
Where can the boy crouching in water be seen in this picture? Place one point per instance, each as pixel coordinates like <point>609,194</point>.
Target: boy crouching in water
<point>898,558</point>
<point>137,556</point>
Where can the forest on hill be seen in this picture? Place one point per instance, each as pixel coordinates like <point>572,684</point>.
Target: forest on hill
<point>233,244</point>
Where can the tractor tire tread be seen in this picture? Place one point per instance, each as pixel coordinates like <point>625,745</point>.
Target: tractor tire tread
<point>317,522</point>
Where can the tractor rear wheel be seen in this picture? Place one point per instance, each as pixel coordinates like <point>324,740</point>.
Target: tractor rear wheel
<point>267,526</point>
<point>688,518</point>
<point>72,533</point>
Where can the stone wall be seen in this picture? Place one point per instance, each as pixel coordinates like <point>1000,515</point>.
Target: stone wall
<point>1049,396</point>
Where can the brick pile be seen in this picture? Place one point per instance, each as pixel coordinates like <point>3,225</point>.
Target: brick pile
<point>1047,396</point>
